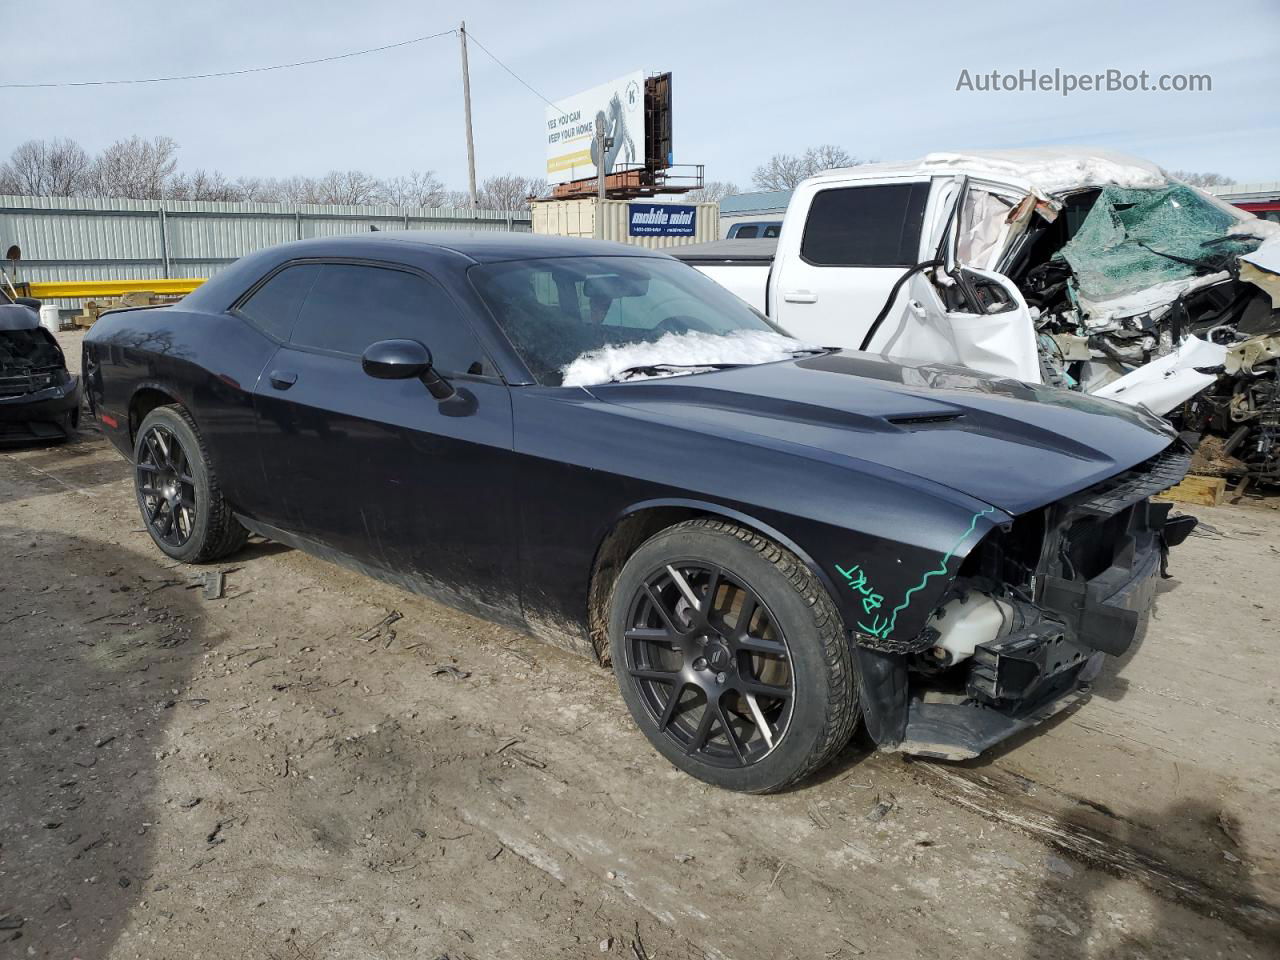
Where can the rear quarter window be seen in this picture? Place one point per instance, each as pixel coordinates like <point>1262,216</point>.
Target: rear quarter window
<point>274,306</point>
<point>872,226</point>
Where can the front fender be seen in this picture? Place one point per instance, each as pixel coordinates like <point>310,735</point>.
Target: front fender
<point>885,590</point>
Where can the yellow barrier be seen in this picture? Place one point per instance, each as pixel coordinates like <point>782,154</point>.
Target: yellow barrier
<point>89,289</point>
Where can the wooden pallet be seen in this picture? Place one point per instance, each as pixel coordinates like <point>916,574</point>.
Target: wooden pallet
<point>92,309</point>
<point>1205,491</point>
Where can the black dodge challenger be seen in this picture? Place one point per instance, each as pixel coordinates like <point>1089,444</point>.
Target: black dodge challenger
<point>770,541</point>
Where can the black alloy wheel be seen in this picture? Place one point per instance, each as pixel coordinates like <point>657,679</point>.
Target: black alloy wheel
<point>711,664</point>
<point>166,486</point>
<point>731,656</point>
<point>177,490</point>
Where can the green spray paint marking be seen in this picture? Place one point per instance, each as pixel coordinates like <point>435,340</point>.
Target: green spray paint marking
<point>881,625</point>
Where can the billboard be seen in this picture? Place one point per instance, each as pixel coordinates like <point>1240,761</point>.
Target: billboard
<point>571,127</point>
<point>661,220</point>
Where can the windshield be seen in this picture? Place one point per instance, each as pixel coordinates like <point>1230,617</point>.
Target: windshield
<point>581,320</point>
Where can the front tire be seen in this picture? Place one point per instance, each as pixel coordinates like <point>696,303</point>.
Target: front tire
<point>731,657</point>
<point>178,493</point>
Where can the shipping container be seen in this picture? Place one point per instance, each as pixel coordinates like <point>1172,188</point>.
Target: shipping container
<point>645,223</point>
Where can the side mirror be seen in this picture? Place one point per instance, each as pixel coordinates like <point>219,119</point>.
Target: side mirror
<point>401,360</point>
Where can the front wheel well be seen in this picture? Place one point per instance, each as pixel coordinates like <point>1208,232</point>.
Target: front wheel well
<point>626,537</point>
<point>142,403</point>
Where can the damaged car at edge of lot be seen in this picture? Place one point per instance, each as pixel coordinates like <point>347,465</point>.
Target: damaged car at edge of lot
<point>769,541</point>
<point>1070,266</point>
<point>39,398</point>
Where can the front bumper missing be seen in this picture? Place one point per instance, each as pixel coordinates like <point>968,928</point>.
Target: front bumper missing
<point>40,415</point>
<point>1018,681</point>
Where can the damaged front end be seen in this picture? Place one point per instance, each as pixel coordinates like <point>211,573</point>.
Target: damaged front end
<point>1029,618</point>
<point>1142,294</point>
<point>39,398</point>
<point>1130,293</point>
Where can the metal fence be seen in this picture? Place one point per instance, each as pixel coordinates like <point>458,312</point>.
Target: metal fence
<point>68,238</point>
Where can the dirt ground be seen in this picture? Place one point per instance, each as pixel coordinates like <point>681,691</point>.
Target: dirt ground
<point>281,773</point>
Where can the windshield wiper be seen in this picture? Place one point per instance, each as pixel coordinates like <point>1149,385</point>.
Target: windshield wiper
<point>657,369</point>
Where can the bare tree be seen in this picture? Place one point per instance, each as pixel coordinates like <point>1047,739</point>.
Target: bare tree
<point>456,200</point>
<point>135,169</point>
<point>510,191</point>
<point>46,168</point>
<point>784,171</point>
<point>348,186</point>
<point>257,189</point>
<point>202,185</point>
<point>139,168</point>
<point>828,156</point>
<point>293,189</point>
<point>712,191</point>
<point>1205,179</point>
<point>418,189</point>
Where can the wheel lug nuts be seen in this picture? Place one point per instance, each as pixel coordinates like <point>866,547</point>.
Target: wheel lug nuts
<point>700,664</point>
<point>720,677</point>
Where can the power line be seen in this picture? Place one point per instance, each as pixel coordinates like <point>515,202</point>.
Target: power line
<point>520,79</point>
<point>236,73</point>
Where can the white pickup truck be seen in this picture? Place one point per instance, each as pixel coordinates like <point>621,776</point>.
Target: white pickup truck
<point>1078,267</point>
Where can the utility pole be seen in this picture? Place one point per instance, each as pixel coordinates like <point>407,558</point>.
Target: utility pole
<point>466,108</point>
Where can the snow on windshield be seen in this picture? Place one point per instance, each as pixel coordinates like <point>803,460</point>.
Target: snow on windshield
<point>692,352</point>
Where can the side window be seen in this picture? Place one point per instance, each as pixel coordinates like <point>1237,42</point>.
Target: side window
<point>351,306</point>
<point>772,231</point>
<point>746,233</point>
<point>274,306</point>
<point>871,226</point>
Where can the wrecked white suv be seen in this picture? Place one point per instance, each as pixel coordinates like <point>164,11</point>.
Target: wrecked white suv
<point>1076,268</point>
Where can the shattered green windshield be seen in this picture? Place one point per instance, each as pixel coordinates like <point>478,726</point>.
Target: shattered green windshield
<point>1135,239</point>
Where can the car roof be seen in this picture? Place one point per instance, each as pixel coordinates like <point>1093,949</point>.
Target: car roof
<point>492,246</point>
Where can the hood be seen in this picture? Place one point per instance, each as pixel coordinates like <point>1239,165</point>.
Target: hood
<point>18,316</point>
<point>1012,445</point>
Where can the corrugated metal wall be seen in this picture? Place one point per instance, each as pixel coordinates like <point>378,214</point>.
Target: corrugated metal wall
<point>577,218</point>
<point>68,238</point>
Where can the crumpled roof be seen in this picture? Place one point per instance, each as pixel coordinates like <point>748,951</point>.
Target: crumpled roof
<point>1052,170</point>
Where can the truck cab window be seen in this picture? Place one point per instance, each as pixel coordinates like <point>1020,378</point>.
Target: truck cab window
<point>873,226</point>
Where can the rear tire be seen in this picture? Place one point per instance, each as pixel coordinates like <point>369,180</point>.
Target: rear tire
<point>177,490</point>
<point>778,678</point>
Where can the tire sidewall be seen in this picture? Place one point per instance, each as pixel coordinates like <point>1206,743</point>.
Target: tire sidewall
<point>171,419</point>
<point>812,682</point>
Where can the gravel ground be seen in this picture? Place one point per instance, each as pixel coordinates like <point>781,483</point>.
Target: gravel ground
<point>275,774</point>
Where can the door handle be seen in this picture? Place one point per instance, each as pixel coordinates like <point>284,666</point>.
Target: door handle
<point>799,296</point>
<point>283,379</point>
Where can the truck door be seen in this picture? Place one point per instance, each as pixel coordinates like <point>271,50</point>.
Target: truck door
<point>955,313</point>
<point>840,256</point>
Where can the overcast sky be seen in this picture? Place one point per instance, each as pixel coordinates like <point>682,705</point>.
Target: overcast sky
<point>750,79</point>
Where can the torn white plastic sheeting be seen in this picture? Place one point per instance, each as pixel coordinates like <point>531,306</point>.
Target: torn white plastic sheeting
<point>1170,380</point>
<point>692,349</point>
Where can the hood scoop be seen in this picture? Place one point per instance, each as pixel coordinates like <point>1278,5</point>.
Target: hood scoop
<point>924,419</point>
